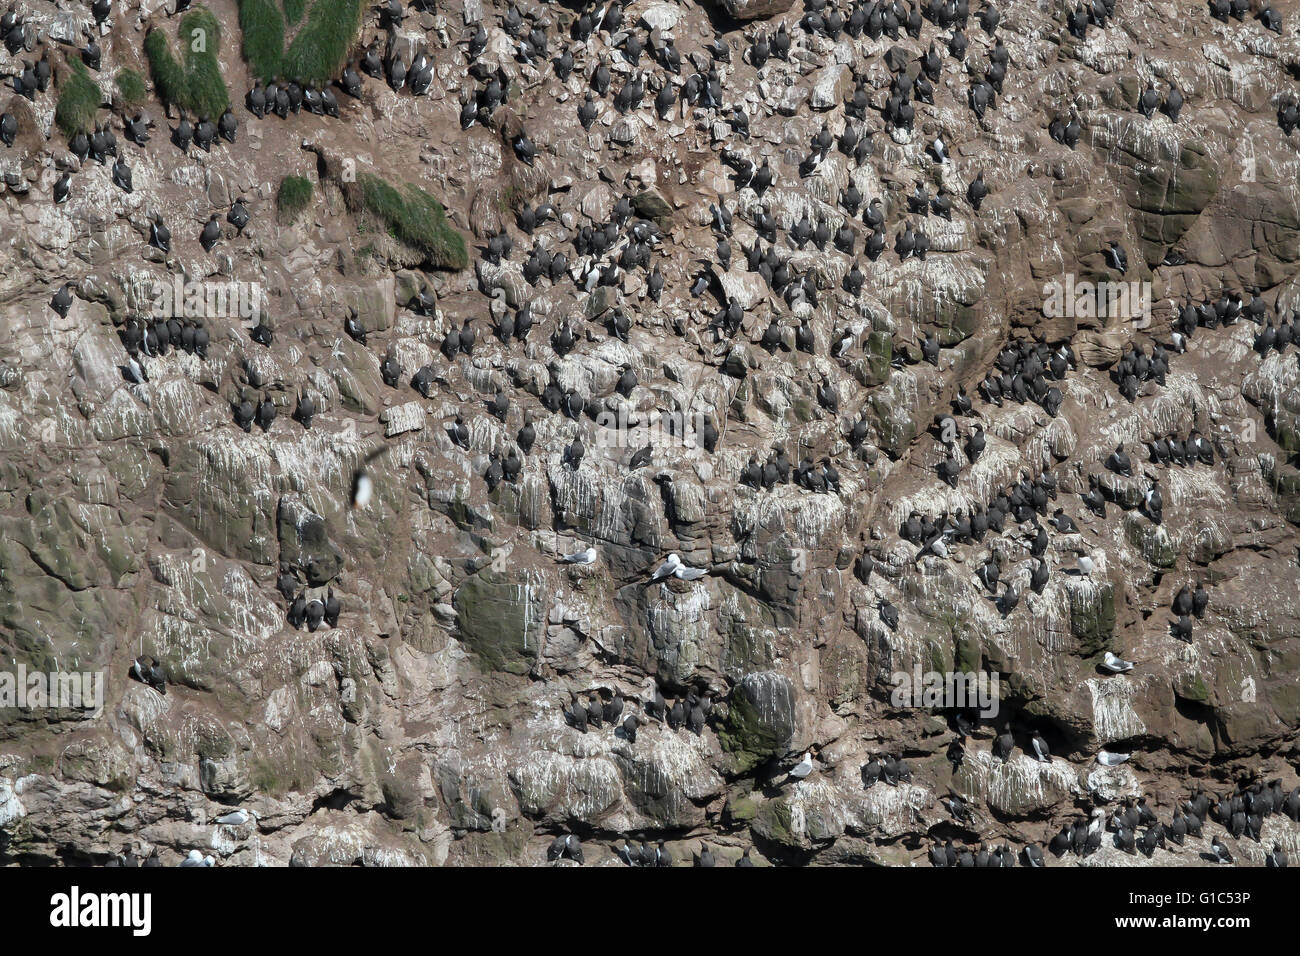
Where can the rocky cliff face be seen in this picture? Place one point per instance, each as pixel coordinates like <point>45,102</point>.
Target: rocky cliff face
<point>429,726</point>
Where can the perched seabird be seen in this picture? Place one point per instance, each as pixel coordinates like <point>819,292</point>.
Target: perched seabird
<point>134,371</point>
<point>211,233</point>
<point>803,767</point>
<point>266,414</point>
<point>228,127</point>
<point>1221,854</point>
<point>1004,745</point>
<point>205,134</point>
<point>305,411</point>
<point>631,723</point>
<point>556,848</point>
<point>939,150</point>
<point>238,215</point>
<point>61,190</point>
<point>676,717</point>
<point>1148,100</point>
<point>669,567</point>
<point>62,300</point>
<point>314,614</point>
<point>1009,600</point>
<point>524,149</point>
<point>871,772</point>
<point>584,557</point>
<point>122,176</point>
<point>1116,257</point>
<point>1063,522</point>
<point>889,614</point>
<point>684,572</point>
<point>1041,752</point>
<point>148,670</point>
<point>1200,600</point>
<point>1119,462</point>
<point>1039,577</point>
<point>1173,104</point>
<point>332,608</point>
<point>1108,759</point>
<point>1060,844</point>
<point>160,237</point>
<point>958,807</point>
<point>1115,664</point>
<point>573,849</point>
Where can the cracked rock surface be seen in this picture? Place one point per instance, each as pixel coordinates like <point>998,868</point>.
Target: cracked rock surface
<point>429,726</point>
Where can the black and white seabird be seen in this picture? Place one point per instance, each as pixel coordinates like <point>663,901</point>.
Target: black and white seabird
<point>148,670</point>
<point>122,176</point>
<point>1042,753</point>
<point>1116,257</point>
<point>62,300</point>
<point>1220,851</point>
<point>238,215</point>
<point>211,233</point>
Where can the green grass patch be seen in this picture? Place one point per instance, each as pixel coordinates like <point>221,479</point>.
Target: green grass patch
<point>326,31</point>
<point>413,217</point>
<point>262,26</point>
<point>276,777</point>
<point>511,198</point>
<point>197,85</point>
<point>320,50</point>
<point>79,101</point>
<point>131,88</point>
<point>293,197</point>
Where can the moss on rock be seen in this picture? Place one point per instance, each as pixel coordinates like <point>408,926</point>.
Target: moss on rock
<point>1092,617</point>
<point>498,619</point>
<point>412,217</point>
<point>761,721</point>
<point>1152,540</point>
